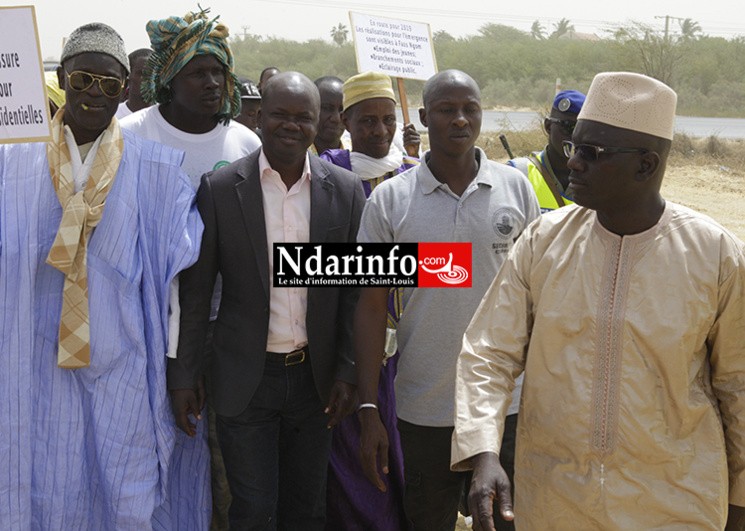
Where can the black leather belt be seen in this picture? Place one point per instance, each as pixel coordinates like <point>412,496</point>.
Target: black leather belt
<point>290,358</point>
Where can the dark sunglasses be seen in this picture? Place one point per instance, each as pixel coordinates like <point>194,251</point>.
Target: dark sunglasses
<point>591,153</point>
<point>81,81</point>
<point>567,125</point>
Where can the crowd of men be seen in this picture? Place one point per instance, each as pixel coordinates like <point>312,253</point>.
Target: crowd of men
<point>594,373</point>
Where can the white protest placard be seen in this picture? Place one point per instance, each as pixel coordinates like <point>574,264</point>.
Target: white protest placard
<point>24,108</point>
<point>395,47</point>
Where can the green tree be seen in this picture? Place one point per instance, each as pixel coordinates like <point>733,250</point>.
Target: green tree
<point>515,69</point>
<point>537,31</point>
<point>652,53</point>
<point>314,58</point>
<point>689,29</point>
<point>441,37</point>
<point>339,34</point>
<point>500,32</point>
<point>562,28</point>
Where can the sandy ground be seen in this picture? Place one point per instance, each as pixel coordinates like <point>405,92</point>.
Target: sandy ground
<point>712,189</point>
<point>462,523</point>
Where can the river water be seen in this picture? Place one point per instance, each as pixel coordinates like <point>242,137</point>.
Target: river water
<point>692,126</point>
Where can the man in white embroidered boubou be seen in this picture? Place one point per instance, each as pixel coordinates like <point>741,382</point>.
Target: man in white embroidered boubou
<point>627,314</point>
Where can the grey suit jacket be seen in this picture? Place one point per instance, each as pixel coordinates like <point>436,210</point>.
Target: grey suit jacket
<point>235,245</point>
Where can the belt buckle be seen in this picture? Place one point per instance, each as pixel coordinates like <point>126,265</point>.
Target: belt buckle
<point>293,358</point>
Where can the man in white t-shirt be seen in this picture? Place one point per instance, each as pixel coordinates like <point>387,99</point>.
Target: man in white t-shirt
<point>193,82</point>
<point>134,101</point>
<point>205,151</point>
<point>190,76</point>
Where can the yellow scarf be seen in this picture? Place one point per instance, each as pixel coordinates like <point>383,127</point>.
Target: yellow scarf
<point>81,212</point>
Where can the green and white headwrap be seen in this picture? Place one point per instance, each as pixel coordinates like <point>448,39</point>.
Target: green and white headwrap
<point>176,41</point>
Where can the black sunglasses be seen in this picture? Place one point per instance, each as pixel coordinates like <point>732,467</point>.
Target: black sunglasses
<point>591,153</point>
<point>567,125</point>
<point>81,81</point>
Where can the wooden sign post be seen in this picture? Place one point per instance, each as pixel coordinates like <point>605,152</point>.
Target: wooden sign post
<point>402,97</point>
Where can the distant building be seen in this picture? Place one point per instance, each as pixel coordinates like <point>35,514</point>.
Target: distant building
<point>577,36</point>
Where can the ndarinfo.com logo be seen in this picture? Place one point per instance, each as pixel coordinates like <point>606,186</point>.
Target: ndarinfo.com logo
<point>424,265</point>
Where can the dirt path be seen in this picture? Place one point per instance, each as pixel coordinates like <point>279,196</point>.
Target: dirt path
<point>714,190</point>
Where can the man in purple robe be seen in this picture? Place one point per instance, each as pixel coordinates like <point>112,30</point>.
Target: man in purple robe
<point>370,117</point>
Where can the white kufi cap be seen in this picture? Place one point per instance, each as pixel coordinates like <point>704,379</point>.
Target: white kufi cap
<point>631,101</point>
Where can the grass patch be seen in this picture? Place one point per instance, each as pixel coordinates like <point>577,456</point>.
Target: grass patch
<point>686,150</point>
<point>707,151</point>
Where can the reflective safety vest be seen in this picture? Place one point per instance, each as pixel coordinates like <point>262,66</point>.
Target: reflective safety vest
<point>546,198</point>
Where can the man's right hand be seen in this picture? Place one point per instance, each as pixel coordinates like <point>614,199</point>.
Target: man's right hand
<point>184,402</point>
<point>373,446</point>
<point>489,483</point>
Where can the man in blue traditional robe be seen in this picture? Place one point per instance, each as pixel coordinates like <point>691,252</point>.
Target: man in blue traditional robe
<point>94,225</point>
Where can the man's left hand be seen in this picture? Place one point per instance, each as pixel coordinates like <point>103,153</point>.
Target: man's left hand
<point>735,518</point>
<point>411,140</point>
<point>341,401</point>
<point>489,483</point>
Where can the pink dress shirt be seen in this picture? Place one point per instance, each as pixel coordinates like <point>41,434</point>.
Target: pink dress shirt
<point>287,218</point>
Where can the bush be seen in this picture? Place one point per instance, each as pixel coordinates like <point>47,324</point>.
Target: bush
<point>515,70</point>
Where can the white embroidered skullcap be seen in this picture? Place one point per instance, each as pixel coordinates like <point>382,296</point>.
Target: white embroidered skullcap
<point>631,101</point>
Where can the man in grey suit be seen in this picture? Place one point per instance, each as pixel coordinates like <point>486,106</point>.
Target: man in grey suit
<point>282,366</point>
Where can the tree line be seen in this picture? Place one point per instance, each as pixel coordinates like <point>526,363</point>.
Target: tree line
<point>519,69</point>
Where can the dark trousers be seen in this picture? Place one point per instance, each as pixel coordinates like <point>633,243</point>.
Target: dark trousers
<point>220,491</point>
<point>432,491</point>
<point>276,453</point>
